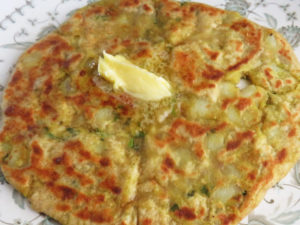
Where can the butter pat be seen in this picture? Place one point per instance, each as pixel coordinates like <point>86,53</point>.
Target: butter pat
<point>132,79</point>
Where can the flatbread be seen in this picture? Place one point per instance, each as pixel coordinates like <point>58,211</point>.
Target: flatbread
<point>84,153</point>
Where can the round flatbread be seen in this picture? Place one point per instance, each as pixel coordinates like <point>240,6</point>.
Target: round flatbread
<point>84,153</point>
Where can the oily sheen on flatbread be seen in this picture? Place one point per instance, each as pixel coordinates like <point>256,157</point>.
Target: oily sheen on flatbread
<point>84,153</point>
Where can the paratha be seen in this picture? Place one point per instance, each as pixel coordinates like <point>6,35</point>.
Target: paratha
<point>84,153</point>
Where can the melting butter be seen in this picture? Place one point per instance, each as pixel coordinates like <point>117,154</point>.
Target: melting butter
<point>132,79</point>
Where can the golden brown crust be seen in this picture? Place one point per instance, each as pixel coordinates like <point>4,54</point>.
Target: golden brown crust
<point>83,153</point>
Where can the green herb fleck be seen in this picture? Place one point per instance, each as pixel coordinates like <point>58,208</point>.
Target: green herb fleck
<point>127,122</point>
<point>72,131</point>
<point>5,158</point>
<point>204,190</point>
<point>6,146</point>
<point>137,141</point>
<point>52,136</point>
<point>140,134</point>
<point>174,207</point>
<point>117,117</point>
<point>158,22</point>
<point>244,193</point>
<point>191,193</point>
<point>131,143</point>
<point>174,111</point>
<point>213,130</point>
<point>178,19</point>
<point>182,3</point>
<point>100,133</point>
<point>102,17</point>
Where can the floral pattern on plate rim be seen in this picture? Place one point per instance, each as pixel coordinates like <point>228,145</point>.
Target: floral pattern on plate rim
<point>281,205</point>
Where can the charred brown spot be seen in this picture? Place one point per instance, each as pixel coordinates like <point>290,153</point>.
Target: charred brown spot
<point>201,212</point>
<point>95,10</point>
<point>37,150</point>
<point>83,198</point>
<point>70,171</point>
<point>44,173</point>
<point>48,85</point>
<point>78,146</point>
<point>68,26</point>
<point>103,216</point>
<point>268,73</point>
<point>186,66</point>
<point>252,175</point>
<point>243,103</point>
<point>251,35</point>
<point>79,99</point>
<point>288,81</point>
<point>212,55</point>
<point>72,60</point>
<point>239,45</point>
<point>85,154</point>
<point>83,179</point>
<point>129,3</point>
<point>227,219</point>
<point>147,221</point>
<point>231,145</point>
<point>82,73</point>
<point>212,11</point>
<point>226,102</point>
<point>265,163</point>
<point>17,111</point>
<point>99,199</point>
<point>18,176</point>
<point>63,207</point>
<point>59,160</point>
<point>198,150</point>
<point>292,132</point>
<point>221,126</point>
<point>194,129</point>
<point>16,78</point>
<point>258,95</point>
<point>18,138</point>
<point>126,43</point>
<point>110,183</point>
<point>144,53</point>
<point>55,42</point>
<point>116,190</point>
<point>143,43</point>
<point>49,63</point>
<point>204,85</point>
<point>186,213</point>
<point>83,214</point>
<point>48,174</point>
<point>284,52</point>
<point>246,135</point>
<point>168,164</point>
<point>281,156</point>
<point>212,74</point>
<point>278,84</point>
<point>64,192</point>
<point>47,108</point>
<point>105,162</point>
<point>146,7</point>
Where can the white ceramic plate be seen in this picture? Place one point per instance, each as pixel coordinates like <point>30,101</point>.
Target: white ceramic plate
<point>22,22</point>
